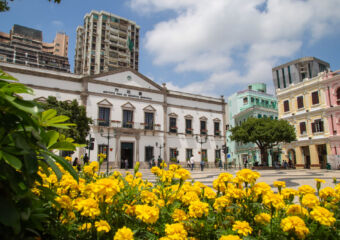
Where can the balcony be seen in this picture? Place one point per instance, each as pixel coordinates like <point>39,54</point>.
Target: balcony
<point>204,131</point>
<point>173,129</point>
<point>188,130</point>
<point>128,125</point>
<point>259,104</point>
<point>217,133</point>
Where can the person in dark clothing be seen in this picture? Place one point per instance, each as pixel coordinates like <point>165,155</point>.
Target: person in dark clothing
<point>202,165</point>
<point>76,164</point>
<point>86,159</point>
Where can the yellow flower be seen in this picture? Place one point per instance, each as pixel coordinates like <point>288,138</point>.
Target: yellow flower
<point>182,174</point>
<point>163,164</point>
<point>129,209</point>
<point>209,193</point>
<point>262,218</point>
<point>288,193</point>
<point>275,200</point>
<point>310,200</point>
<point>173,167</point>
<point>319,180</point>
<point>102,226</point>
<point>148,197</point>
<point>295,225</point>
<point>247,175</point>
<point>296,210</point>
<point>323,216</point>
<point>147,214</point>
<point>64,201</point>
<point>242,228</point>
<point>138,175</point>
<point>326,192</point>
<point>189,197</point>
<point>261,188</point>
<point>279,184</point>
<point>198,209</point>
<point>305,189</point>
<point>123,233</point>
<point>230,237</point>
<point>85,226</point>
<point>179,215</point>
<point>88,207</point>
<point>91,169</point>
<point>221,202</point>
<point>68,158</point>
<point>175,231</point>
<point>220,184</point>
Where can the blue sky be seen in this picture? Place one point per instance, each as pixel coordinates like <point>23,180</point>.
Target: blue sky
<point>213,47</point>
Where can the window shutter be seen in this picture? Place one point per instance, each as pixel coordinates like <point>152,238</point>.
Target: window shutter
<point>300,101</point>
<point>302,127</point>
<point>313,127</point>
<point>315,97</point>
<point>286,105</point>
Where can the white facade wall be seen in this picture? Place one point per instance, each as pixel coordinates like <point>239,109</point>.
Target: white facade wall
<point>129,88</point>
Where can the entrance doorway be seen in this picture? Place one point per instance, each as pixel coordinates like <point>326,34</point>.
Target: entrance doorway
<point>322,154</point>
<point>126,152</point>
<point>148,153</point>
<point>306,156</point>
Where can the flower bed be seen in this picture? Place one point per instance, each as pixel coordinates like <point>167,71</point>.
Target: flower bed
<point>128,207</point>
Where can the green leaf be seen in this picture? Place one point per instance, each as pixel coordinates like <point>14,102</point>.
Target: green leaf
<point>9,214</point>
<point>52,164</point>
<point>65,165</point>
<point>51,138</point>
<point>48,114</point>
<point>6,76</point>
<point>23,105</point>
<point>65,146</point>
<point>12,160</point>
<point>58,119</point>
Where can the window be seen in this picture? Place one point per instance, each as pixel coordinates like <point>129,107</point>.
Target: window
<point>188,126</point>
<point>203,127</point>
<point>278,79</point>
<point>245,101</point>
<point>188,153</point>
<point>317,126</point>
<point>218,154</point>
<point>302,128</point>
<point>148,122</point>
<point>289,76</point>
<point>322,67</point>
<point>127,119</point>
<point>104,116</point>
<point>173,125</point>
<point>252,99</point>
<point>286,106</point>
<point>204,155</point>
<point>338,96</point>
<point>300,102</point>
<point>217,128</point>
<point>148,153</point>
<point>259,116</point>
<point>315,97</point>
<point>102,148</point>
<point>284,78</point>
<point>309,70</point>
<point>173,154</point>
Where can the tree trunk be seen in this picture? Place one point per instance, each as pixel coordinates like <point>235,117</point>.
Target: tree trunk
<point>264,156</point>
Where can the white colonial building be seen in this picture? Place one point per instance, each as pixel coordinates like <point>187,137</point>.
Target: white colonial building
<point>142,118</point>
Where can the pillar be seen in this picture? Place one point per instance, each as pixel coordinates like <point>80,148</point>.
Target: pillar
<point>314,157</point>
<point>117,149</point>
<point>137,149</point>
<point>300,163</point>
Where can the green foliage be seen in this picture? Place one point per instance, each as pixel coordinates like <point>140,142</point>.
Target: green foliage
<point>4,4</point>
<point>75,113</point>
<point>27,141</point>
<point>264,132</point>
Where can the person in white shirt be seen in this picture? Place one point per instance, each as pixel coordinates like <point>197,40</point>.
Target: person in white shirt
<point>192,162</point>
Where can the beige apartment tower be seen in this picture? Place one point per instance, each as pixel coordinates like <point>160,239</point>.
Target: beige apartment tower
<point>106,42</point>
<point>25,46</point>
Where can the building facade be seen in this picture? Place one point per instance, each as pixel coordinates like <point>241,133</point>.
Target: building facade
<point>253,102</point>
<point>25,46</point>
<point>106,42</point>
<point>304,105</point>
<point>296,71</point>
<point>141,118</point>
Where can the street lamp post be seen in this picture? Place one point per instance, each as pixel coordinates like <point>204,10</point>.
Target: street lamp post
<point>201,140</point>
<point>160,148</point>
<point>108,136</point>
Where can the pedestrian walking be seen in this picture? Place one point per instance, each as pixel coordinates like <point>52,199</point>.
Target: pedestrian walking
<point>76,164</point>
<point>86,159</point>
<point>202,165</point>
<point>220,164</point>
<point>159,160</point>
<point>192,162</point>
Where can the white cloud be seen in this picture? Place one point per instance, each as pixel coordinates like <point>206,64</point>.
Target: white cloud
<point>219,36</point>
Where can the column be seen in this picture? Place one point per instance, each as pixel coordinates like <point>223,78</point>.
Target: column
<point>117,150</point>
<point>137,149</point>
<point>300,163</point>
<point>314,157</point>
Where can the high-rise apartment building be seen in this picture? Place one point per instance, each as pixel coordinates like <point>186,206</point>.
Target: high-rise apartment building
<point>25,46</point>
<point>296,71</point>
<point>106,42</point>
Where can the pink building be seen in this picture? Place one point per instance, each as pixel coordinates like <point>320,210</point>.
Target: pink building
<point>332,90</point>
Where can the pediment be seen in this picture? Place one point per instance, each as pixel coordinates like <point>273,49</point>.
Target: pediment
<point>217,120</point>
<point>128,106</point>
<point>149,109</point>
<point>41,99</point>
<point>173,115</point>
<point>129,78</point>
<point>203,118</point>
<point>104,102</point>
<point>188,116</point>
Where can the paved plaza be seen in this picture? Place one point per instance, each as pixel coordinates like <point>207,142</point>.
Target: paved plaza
<point>293,178</point>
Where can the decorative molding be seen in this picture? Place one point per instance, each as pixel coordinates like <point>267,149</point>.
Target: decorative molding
<point>173,115</point>
<point>203,118</point>
<point>217,120</point>
<point>149,108</point>
<point>105,102</point>
<point>128,106</point>
<point>188,116</point>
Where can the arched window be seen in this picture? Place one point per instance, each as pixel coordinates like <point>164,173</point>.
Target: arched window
<point>338,95</point>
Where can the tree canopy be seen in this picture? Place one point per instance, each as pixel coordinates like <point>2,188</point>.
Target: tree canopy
<point>4,4</point>
<point>265,133</point>
<point>77,115</point>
